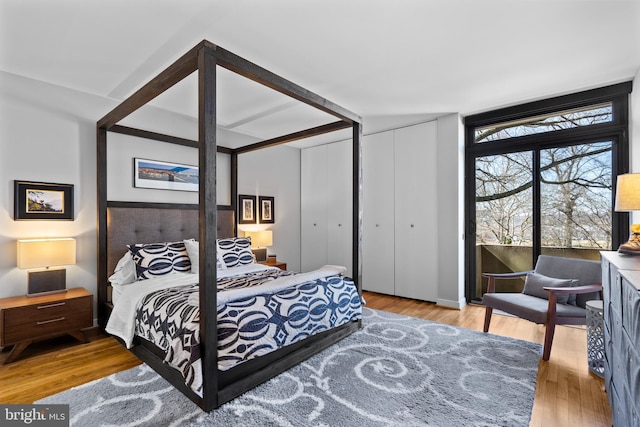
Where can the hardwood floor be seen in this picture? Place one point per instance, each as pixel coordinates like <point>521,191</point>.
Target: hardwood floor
<point>567,394</point>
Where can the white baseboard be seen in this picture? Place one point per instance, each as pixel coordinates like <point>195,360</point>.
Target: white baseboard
<point>452,304</point>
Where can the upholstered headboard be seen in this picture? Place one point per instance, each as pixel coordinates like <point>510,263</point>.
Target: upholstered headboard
<point>129,225</point>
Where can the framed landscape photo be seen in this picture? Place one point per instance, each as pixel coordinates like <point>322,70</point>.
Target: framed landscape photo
<point>164,175</point>
<point>267,215</point>
<point>246,209</point>
<point>43,201</point>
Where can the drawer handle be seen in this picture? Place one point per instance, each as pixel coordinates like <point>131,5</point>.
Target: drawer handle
<point>44,322</point>
<point>51,305</point>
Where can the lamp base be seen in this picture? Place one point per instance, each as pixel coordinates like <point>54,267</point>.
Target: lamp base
<point>260,254</point>
<point>49,281</point>
<point>632,246</point>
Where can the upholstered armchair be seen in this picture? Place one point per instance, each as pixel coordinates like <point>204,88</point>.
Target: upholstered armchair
<point>555,293</point>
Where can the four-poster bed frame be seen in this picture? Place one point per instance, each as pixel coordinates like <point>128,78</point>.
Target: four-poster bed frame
<point>219,387</point>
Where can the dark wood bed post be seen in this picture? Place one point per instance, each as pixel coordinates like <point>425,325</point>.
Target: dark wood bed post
<point>207,223</point>
<point>357,205</point>
<point>101,169</point>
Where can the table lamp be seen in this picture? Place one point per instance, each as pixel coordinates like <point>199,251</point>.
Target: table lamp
<point>44,254</point>
<point>259,242</point>
<point>628,199</point>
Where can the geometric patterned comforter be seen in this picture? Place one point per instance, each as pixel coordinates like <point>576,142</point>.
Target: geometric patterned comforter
<point>248,327</point>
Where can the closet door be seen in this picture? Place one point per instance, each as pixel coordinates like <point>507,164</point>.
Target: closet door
<point>313,251</point>
<point>416,228</point>
<point>339,204</point>
<point>378,213</point>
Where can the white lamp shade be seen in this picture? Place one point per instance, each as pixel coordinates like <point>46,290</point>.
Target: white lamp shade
<point>628,192</point>
<point>260,239</point>
<point>35,253</point>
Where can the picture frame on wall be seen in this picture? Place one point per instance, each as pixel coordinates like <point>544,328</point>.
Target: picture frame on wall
<point>42,201</point>
<point>267,211</point>
<point>161,175</point>
<point>246,209</point>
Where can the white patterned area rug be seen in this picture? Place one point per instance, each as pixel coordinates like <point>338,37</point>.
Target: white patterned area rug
<point>396,371</point>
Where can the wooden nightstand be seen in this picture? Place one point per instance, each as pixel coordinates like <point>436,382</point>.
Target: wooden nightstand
<point>280,265</point>
<point>24,320</point>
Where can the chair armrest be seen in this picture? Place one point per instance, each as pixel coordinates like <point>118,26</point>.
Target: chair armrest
<point>574,290</point>
<point>491,286</point>
<point>507,275</point>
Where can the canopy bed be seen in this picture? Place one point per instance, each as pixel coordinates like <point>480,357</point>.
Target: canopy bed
<point>135,225</point>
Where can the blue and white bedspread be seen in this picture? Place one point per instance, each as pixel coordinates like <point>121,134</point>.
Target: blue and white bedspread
<point>268,309</point>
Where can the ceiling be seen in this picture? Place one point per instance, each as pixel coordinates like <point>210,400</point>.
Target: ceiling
<point>393,63</point>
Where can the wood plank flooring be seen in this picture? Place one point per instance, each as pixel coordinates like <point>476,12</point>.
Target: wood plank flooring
<point>567,394</point>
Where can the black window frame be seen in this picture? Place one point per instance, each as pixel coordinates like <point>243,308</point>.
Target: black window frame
<point>617,131</point>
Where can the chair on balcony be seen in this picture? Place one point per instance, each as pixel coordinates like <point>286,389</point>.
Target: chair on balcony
<point>555,293</point>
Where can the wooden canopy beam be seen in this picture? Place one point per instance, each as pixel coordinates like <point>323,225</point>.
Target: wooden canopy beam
<point>140,133</point>
<point>320,130</point>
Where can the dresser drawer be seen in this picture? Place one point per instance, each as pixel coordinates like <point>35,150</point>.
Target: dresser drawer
<point>631,311</point>
<point>41,320</point>
<point>616,293</point>
<point>630,359</point>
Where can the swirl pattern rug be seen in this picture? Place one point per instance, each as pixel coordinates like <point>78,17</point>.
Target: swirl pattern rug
<point>396,371</point>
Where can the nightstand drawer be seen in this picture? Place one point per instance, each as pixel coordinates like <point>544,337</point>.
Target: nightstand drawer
<point>48,318</point>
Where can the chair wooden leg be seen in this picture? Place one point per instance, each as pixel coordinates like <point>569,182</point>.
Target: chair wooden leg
<point>487,318</point>
<point>548,340</point>
<point>550,326</point>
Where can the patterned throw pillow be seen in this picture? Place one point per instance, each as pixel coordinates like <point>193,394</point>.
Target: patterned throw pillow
<point>235,251</point>
<point>159,259</point>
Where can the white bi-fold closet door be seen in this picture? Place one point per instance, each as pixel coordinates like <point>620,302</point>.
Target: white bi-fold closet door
<point>399,253</point>
<point>326,199</point>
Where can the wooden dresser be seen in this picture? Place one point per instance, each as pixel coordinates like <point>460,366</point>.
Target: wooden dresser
<point>621,286</point>
<point>24,320</point>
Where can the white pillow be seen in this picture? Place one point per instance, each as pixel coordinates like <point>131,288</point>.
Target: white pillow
<point>125,271</point>
<point>193,249</point>
<point>220,265</point>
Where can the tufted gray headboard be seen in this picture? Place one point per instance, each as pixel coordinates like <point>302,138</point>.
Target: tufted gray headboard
<point>129,225</point>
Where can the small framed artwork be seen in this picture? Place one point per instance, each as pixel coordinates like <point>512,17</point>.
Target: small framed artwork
<point>164,175</point>
<point>267,213</point>
<point>246,209</point>
<point>43,201</point>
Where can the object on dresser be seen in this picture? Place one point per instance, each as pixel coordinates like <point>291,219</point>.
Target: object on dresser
<point>627,200</point>
<point>44,254</point>
<point>260,240</point>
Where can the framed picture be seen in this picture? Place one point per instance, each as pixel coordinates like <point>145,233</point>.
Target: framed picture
<point>43,201</point>
<point>246,209</point>
<point>267,213</point>
<point>164,175</point>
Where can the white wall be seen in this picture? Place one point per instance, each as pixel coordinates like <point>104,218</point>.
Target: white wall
<point>48,134</point>
<point>450,205</point>
<point>634,133</point>
<point>275,172</point>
